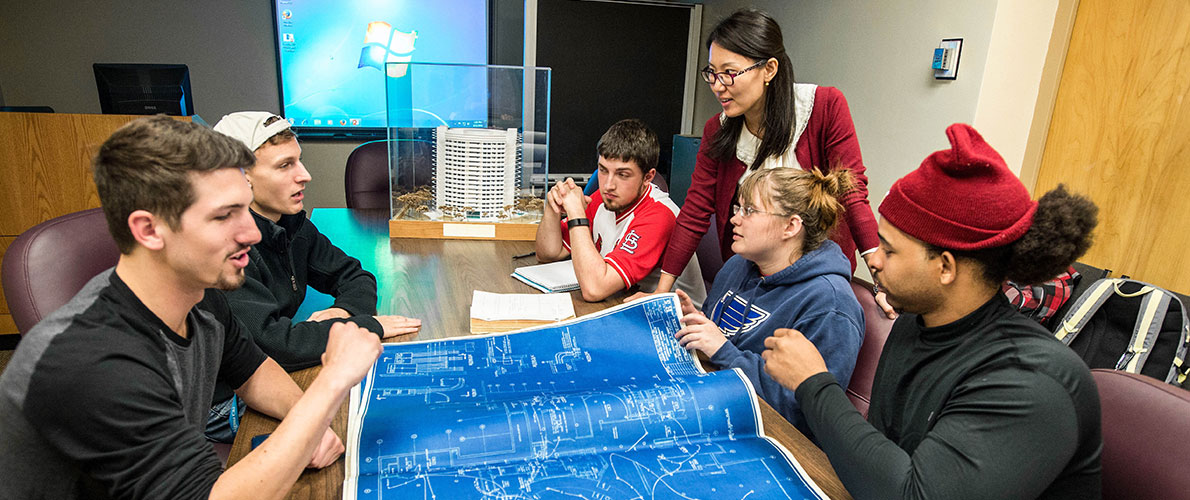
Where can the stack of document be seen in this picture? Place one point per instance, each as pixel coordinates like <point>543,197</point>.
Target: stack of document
<point>549,278</point>
<point>503,312</point>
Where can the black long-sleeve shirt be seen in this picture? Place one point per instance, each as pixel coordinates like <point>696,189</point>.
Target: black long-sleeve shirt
<point>989,406</point>
<point>292,253</point>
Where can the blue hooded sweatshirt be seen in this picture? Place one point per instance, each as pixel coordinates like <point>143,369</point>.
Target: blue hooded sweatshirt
<point>813,296</point>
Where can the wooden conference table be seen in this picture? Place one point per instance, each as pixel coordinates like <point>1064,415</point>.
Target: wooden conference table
<point>433,280</point>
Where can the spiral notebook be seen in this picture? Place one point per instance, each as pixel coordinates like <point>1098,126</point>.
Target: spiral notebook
<point>550,278</point>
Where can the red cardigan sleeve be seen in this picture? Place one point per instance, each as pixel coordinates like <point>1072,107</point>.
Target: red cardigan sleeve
<point>695,218</point>
<point>840,147</point>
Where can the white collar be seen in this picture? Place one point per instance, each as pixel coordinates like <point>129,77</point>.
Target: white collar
<point>748,144</point>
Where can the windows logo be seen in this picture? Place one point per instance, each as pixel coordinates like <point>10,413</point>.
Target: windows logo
<point>383,44</point>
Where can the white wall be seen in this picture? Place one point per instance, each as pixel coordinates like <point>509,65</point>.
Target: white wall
<point>879,53</point>
<point>47,48</point>
<point>876,51</point>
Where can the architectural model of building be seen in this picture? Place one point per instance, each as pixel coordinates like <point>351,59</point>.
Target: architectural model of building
<point>476,171</point>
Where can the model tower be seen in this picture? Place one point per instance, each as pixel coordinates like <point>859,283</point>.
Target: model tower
<point>476,171</point>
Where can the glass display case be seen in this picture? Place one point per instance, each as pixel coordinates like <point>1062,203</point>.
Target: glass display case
<point>468,149</point>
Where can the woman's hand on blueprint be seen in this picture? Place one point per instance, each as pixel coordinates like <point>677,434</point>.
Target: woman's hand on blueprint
<point>698,333</point>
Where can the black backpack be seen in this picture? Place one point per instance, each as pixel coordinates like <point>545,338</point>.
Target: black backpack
<point>1129,325</point>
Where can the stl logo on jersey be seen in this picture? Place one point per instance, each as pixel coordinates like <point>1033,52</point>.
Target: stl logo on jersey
<point>630,242</point>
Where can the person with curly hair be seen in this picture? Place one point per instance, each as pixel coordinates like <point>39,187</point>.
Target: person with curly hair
<point>971,399</point>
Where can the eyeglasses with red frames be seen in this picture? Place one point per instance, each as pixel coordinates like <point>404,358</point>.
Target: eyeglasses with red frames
<point>727,78</point>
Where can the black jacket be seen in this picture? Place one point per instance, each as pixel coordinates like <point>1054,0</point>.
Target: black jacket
<point>292,254</point>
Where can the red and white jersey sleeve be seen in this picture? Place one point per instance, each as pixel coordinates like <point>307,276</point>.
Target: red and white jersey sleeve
<point>632,242</point>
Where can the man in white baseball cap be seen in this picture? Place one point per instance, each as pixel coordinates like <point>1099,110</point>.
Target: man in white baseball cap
<point>292,254</point>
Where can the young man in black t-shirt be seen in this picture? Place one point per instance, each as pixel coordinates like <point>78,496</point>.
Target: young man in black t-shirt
<point>108,396</point>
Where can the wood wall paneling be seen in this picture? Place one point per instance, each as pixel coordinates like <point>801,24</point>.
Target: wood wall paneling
<point>1118,135</point>
<point>45,171</point>
<point>7,326</point>
<point>45,164</point>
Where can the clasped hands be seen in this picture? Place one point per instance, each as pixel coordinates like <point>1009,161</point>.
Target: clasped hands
<point>567,198</point>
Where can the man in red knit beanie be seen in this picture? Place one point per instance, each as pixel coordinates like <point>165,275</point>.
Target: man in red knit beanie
<point>971,399</point>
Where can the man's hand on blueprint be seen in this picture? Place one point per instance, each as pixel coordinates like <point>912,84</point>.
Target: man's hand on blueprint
<point>350,353</point>
<point>328,450</point>
<point>790,358</point>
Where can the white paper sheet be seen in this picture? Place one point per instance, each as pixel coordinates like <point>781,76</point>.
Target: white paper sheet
<point>523,306</point>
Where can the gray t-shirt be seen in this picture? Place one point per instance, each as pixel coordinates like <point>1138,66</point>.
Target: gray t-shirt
<point>101,399</point>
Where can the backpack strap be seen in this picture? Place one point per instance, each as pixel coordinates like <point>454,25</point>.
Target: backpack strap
<point>1084,307</point>
<point>1177,374</point>
<point>1148,325</point>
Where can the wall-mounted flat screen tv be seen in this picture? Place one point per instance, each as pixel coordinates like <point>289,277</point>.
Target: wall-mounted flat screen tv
<point>332,55</point>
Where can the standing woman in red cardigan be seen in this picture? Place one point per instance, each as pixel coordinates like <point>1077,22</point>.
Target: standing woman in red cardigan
<point>768,121</point>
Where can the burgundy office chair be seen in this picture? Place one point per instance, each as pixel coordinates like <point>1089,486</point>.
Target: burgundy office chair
<point>876,329</point>
<point>1146,429</point>
<point>365,178</point>
<point>46,265</point>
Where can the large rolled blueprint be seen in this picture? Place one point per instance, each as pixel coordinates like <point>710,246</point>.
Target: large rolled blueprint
<point>607,406</point>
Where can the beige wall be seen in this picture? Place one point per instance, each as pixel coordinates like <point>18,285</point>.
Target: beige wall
<point>1012,78</point>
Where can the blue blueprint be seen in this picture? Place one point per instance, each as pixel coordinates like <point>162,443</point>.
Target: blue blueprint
<point>607,406</point>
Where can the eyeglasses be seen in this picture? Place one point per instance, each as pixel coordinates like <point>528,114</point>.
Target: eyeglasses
<point>750,211</point>
<point>727,78</point>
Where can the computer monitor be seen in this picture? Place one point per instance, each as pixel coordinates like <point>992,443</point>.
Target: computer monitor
<point>333,56</point>
<point>143,89</point>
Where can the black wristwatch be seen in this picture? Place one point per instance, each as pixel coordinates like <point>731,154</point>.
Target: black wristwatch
<point>573,223</point>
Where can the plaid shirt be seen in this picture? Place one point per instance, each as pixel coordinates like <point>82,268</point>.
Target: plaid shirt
<point>1042,300</point>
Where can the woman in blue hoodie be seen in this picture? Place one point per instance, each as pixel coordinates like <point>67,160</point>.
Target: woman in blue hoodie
<point>786,273</point>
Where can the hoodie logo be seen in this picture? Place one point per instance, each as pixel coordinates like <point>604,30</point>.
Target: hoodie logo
<point>733,315</point>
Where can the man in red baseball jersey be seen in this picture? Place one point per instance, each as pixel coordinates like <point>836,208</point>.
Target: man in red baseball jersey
<point>616,237</point>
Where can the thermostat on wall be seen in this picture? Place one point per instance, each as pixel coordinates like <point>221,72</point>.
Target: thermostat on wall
<point>946,59</point>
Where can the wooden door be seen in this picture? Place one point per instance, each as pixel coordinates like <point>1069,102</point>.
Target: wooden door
<point>1120,134</point>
